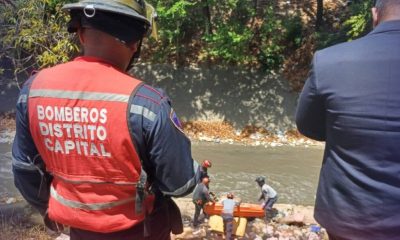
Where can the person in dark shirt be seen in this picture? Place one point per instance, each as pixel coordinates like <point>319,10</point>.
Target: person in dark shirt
<point>201,196</point>
<point>205,165</point>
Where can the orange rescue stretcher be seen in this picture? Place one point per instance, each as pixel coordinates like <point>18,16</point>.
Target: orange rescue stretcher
<point>245,210</point>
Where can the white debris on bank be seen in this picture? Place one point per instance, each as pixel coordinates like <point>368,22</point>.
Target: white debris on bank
<point>62,236</point>
<point>11,200</point>
<point>256,140</point>
<point>7,136</point>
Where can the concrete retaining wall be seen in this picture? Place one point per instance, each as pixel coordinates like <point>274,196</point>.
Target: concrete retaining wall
<point>242,97</point>
<point>239,96</point>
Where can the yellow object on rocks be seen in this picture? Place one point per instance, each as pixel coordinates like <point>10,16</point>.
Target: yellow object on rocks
<point>239,225</point>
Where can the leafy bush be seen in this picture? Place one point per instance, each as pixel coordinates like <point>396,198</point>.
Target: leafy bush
<point>294,31</point>
<point>252,33</point>
<point>359,22</point>
<point>33,34</point>
<point>273,42</point>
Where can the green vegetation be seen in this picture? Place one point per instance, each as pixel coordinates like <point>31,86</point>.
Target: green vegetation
<point>360,21</point>
<point>274,36</point>
<point>33,35</point>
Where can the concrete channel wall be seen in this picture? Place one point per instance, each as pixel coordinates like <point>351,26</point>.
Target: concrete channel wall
<point>239,96</point>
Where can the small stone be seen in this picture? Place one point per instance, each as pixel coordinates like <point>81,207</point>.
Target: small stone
<point>62,237</point>
<point>312,236</point>
<point>11,201</point>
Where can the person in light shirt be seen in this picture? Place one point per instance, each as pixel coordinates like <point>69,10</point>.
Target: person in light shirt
<point>268,195</point>
<point>229,205</point>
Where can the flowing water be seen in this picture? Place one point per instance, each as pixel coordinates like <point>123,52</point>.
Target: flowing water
<point>7,188</point>
<point>292,171</point>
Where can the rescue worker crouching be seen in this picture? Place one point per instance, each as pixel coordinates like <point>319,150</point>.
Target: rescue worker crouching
<point>229,205</point>
<point>98,150</point>
<point>268,195</point>
<point>201,197</point>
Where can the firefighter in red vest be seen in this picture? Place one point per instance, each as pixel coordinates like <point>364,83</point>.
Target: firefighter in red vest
<point>98,150</point>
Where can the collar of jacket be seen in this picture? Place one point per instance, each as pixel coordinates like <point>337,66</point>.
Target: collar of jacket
<point>388,26</point>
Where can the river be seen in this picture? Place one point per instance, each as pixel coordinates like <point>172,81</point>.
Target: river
<point>292,171</point>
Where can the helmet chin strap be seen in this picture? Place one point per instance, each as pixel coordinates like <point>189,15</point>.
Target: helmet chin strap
<point>135,56</point>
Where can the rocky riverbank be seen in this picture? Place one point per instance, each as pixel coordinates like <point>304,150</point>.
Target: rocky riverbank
<point>290,223</point>
<point>19,221</point>
<point>207,131</point>
<point>224,132</point>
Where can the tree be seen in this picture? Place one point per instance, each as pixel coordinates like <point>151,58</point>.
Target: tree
<point>33,35</point>
<point>320,14</point>
<point>207,16</point>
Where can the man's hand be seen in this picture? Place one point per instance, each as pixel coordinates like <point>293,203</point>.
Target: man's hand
<point>214,197</point>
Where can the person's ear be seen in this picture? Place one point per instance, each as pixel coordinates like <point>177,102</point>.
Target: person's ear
<point>133,46</point>
<point>80,32</point>
<point>375,17</point>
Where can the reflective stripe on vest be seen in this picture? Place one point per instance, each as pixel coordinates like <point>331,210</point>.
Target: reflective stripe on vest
<point>94,181</point>
<point>88,206</point>
<point>78,95</point>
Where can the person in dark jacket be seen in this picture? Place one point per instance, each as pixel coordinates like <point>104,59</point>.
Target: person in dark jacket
<point>201,196</point>
<point>205,165</point>
<point>351,101</point>
<point>72,113</point>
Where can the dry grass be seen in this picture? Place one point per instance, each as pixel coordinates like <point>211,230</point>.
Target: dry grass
<point>20,232</point>
<point>16,224</point>
<point>7,121</point>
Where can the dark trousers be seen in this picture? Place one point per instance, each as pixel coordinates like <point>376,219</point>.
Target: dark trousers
<point>333,237</point>
<point>158,226</point>
<point>268,207</point>
<point>228,225</point>
<point>198,208</point>
<point>270,202</point>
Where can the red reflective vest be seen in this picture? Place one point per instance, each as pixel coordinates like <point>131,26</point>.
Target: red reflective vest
<point>78,120</point>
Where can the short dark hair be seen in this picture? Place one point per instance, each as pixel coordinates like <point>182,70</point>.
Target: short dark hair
<point>126,29</point>
<point>384,6</point>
